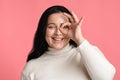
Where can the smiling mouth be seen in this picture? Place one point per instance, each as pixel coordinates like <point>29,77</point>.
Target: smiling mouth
<point>57,39</point>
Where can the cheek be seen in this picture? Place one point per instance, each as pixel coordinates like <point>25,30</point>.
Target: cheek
<point>49,33</point>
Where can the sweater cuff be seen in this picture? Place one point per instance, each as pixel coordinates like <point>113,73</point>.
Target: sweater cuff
<point>83,45</point>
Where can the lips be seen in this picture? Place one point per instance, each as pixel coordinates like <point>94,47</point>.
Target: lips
<point>57,38</point>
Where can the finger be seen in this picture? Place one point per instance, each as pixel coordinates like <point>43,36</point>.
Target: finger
<point>70,33</point>
<point>75,17</point>
<point>81,20</point>
<point>66,24</point>
<point>69,17</point>
<point>65,27</point>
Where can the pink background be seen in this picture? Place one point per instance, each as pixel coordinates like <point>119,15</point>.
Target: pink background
<point>18,22</point>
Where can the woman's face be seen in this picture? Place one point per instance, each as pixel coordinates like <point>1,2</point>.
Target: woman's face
<point>56,32</point>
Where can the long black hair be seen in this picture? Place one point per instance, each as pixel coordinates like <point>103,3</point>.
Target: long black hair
<point>40,45</point>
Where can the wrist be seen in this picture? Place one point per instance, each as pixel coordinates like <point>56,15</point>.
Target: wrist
<point>79,41</point>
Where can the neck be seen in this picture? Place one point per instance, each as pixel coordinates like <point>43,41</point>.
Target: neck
<point>53,51</point>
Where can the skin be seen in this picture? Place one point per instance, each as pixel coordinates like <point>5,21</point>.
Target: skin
<point>61,27</point>
<point>75,33</point>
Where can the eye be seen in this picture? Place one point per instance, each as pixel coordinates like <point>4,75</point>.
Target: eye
<point>51,26</point>
<point>66,27</point>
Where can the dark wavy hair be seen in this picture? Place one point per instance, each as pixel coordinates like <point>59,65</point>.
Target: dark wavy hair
<point>40,45</point>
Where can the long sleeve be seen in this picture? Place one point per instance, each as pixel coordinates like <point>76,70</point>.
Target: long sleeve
<point>97,65</point>
<point>23,77</point>
<point>27,77</point>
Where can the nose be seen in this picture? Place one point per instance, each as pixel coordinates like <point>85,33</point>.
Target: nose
<point>58,32</point>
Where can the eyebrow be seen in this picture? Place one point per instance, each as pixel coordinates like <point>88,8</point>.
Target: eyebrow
<point>54,24</point>
<point>51,23</point>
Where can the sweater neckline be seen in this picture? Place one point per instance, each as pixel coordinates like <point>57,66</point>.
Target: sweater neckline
<point>52,51</point>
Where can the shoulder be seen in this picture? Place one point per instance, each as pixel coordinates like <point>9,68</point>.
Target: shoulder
<point>28,69</point>
<point>32,65</point>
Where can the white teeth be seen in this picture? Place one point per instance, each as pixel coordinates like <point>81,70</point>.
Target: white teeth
<point>58,39</point>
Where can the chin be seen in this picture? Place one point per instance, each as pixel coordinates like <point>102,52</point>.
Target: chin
<point>59,46</point>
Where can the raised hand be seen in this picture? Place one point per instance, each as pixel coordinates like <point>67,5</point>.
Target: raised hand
<point>75,24</point>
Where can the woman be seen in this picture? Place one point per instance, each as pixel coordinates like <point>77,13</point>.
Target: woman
<point>60,51</point>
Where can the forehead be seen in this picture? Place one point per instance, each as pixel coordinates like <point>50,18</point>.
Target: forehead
<point>57,17</point>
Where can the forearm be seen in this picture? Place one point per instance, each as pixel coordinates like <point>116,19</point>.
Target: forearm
<point>96,64</point>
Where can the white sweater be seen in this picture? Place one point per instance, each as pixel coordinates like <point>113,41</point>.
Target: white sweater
<point>86,62</point>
